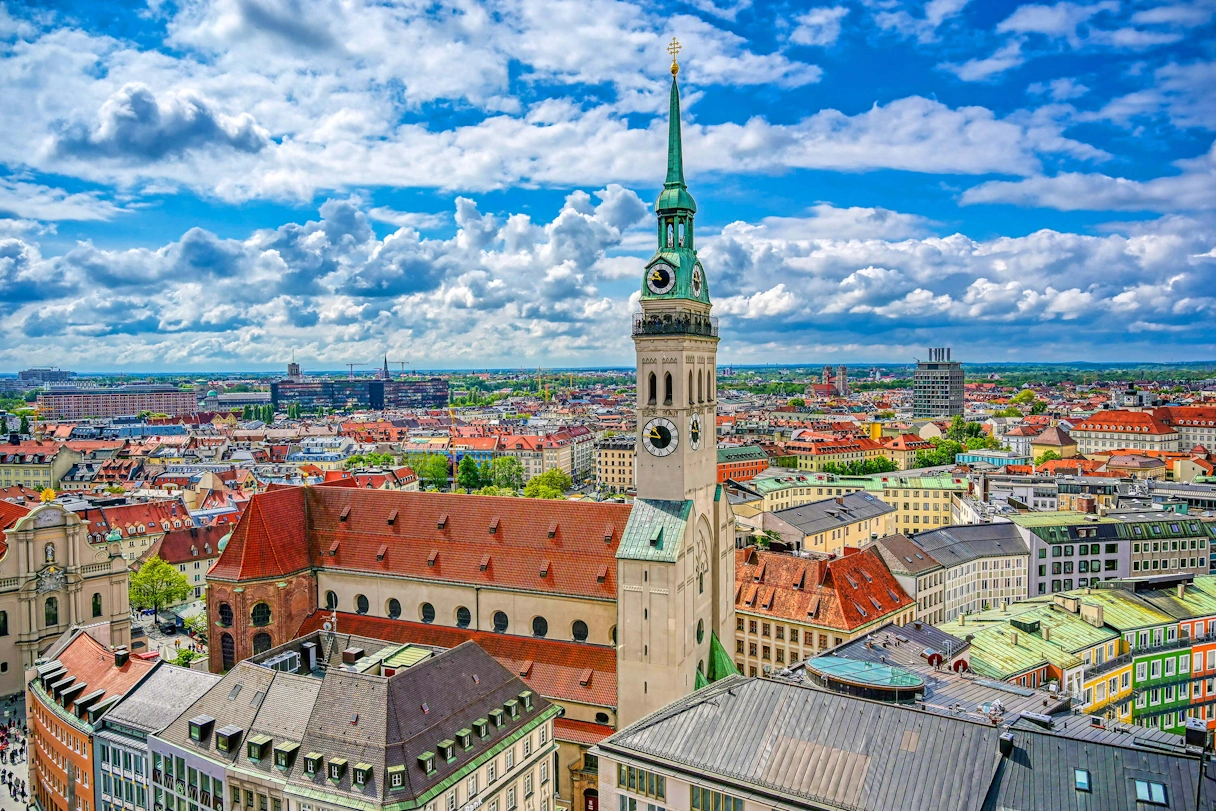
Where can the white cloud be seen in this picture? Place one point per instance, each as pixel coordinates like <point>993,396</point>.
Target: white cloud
<point>1193,189</point>
<point>819,26</point>
<point>1064,89</point>
<point>407,219</point>
<point>1060,20</point>
<point>1007,57</point>
<point>923,28</point>
<point>35,201</point>
<point>856,222</point>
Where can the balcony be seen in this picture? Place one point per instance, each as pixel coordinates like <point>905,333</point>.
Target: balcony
<point>675,324</point>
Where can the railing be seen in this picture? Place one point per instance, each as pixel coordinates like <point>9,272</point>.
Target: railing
<point>675,324</point>
<point>1109,664</point>
<point>1124,658</point>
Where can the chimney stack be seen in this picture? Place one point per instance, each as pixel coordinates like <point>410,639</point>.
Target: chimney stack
<point>1181,591</point>
<point>1013,638</point>
<point>14,438</point>
<point>121,655</point>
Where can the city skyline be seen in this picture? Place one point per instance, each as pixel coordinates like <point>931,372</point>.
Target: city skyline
<point>214,185</point>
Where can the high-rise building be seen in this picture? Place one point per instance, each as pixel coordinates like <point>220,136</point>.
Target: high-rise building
<point>360,394</point>
<point>39,376</point>
<point>937,386</point>
<point>293,372</point>
<point>117,401</point>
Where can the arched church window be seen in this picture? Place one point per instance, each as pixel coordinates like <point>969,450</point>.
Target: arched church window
<point>225,613</point>
<point>700,631</point>
<point>361,604</point>
<point>671,235</point>
<point>540,627</point>
<point>331,600</point>
<point>654,388</point>
<point>500,622</point>
<point>690,387</point>
<point>228,651</point>
<point>700,386</point>
<point>261,643</point>
<point>464,617</point>
<point>579,631</point>
<point>96,604</point>
<point>50,612</point>
<point>260,614</point>
<point>667,387</point>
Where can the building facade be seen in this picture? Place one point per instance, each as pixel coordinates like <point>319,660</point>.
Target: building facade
<point>614,464</point>
<point>937,387</point>
<point>119,401</point>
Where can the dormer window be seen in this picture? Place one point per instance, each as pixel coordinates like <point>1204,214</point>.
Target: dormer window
<point>447,749</point>
<point>512,707</point>
<point>427,761</point>
<point>337,768</point>
<point>396,777</point>
<point>482,726</point>
<point>228,739</point>
<point>257,746</point>
<point>312,763</point>
<point>285,754</point>
<point>200,727</point>
<point>526,699</point>
<point>363,774</point>
<point>497,717</point>
<point>465,737</point>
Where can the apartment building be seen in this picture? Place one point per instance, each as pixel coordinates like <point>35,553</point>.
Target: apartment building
<point>1119,429</point>
<point>937,386</point>
<point>920,575</point>
<point>815,456</point>
<point>1196,425</point>
<point>37,464</point>
<point>831,525</point>
<point>614,463</point>
<point>417,728</point>
<point>788,608</point>
<point>69,403</point>
<point>983,566</point>
<point>741,463</point>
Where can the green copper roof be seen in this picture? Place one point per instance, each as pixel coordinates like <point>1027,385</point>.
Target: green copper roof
<point>861,672</point>
<point>740,453</point>
<point>721,664</point>
<point>655,530</point>
<point>675,193</point>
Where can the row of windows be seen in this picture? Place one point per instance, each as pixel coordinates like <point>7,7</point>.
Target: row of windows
<point>259,615</point>
<point>579,631</point>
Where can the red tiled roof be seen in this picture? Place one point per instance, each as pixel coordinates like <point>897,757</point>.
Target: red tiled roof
<point>175,547</point>
<point>843,593</point>
<point>585,733</point>
<point>555,666</point>
<point>271,539</point>
<point>308,523</point>
<point>1140,422</point>
<point>92,663</point>
<point>1187,415</point>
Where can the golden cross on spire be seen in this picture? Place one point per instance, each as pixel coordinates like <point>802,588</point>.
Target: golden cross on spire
<point>673,48</point>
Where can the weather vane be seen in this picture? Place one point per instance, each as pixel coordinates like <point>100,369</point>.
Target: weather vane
<point>673,48</point>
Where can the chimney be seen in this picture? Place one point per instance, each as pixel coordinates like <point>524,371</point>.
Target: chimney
<point>1013,638</point>
<point>14,438</point>
<point>1181,591</point>
<point>121,655</point>
<point>840,500</point>
<point>1006,744</point>
<point>1046,634</point>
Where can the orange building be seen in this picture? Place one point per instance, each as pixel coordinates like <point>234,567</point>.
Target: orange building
<point>64,700</point>
<point>741,463</point>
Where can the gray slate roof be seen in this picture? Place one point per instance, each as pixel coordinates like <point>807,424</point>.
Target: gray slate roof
<point>800,745</point>
<point>953,546</point>
<point>903,556</point>
<point>162,697</point>
<point>821,516</point>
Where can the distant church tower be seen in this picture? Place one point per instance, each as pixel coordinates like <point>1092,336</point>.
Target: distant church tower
<point>676,560</point>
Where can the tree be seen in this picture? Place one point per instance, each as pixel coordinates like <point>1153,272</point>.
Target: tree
<point>983,442</point>
<point>507,473</point>
<point>1023,396</point>
<point>491,490</point>
<point>1044,457</point>
<point>468,475</point>
<point>433,473</point>
<point>550,484</point>
<point>943,453</point>
<point>185,657</point>
<point>957,430</point>
<point>798,402</point>
<point>25,426</point>
<point>1012,411</point>
<point>1039,407</point>
<point>156,584</point>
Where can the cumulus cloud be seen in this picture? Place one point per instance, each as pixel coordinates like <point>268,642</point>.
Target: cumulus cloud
<point>819,26</point>
<point>1193,189</point>
<point>925,27</point>
<point>1005,58</point>
<point>19,198</point>
<point>135,123</point>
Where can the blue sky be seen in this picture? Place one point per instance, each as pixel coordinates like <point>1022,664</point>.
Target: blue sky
<point>214,184</point>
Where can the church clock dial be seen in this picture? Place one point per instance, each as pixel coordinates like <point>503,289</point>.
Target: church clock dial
<point>694,433</point>
<point>660,279</point>
<point>696,281</point>
<point>660,436</point>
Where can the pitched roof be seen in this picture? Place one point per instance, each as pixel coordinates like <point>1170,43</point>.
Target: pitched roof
<point>551,667</point>
<point>903,556</point>
<point>162,697</point>
<point>831,513</point>
<point>955,545</point>
<point>844,593</point>
<point>1056,437</point>
<point>92,663</point>
<point>430,536</point>
<point>1140,422</point>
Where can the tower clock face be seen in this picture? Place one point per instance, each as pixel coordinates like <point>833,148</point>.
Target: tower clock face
<point>660,436</point>
<point>696,280</point>
<point>660,278</point>
<point>694,432</point>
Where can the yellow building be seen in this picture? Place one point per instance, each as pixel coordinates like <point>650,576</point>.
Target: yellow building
<point>614,463</point>
<point>830,525</point>
<point>36,464</point>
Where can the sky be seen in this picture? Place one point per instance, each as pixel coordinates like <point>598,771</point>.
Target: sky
<point>217,184</point>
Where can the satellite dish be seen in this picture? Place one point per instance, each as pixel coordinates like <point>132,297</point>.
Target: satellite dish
<point>327,627</point>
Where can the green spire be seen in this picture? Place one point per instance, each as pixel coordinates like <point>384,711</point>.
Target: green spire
<point>675,150</point>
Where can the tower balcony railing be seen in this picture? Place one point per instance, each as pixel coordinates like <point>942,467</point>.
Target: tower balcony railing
<point>675,324</point>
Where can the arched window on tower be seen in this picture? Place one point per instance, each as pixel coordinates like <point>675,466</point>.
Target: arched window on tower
<point>681,233</point>
<point>700,386</point>
<point>654,388</point>
<point>667,387</point>
<point>671,235</point>
<point>690,401</point>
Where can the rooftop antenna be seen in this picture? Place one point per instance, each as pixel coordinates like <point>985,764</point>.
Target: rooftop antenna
<point>331,635</point>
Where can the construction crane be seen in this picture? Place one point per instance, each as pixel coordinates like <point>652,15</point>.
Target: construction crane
<point>402,364</point>
<point>352,369</point>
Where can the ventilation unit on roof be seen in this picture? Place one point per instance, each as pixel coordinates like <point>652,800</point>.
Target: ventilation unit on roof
<point>286,662</point>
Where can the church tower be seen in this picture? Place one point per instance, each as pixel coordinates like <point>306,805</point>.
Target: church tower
<point>676,559</point>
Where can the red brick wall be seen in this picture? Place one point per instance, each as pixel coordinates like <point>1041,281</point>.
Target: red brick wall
<point>289,605</point>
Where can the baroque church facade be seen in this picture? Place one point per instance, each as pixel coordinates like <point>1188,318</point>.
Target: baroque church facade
<point>611,610</point>
<point>52,577</point>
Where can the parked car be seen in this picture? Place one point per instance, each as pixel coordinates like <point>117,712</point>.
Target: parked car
<point>168,628</point>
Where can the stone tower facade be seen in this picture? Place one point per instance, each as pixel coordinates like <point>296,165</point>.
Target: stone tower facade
<point>676,561</point>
